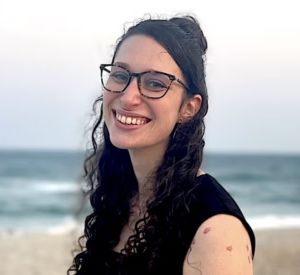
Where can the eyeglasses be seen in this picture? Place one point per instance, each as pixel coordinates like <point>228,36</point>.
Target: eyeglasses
<point>151,84</point>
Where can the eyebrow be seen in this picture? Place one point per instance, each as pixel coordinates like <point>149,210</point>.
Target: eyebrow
<point>122,64</point>
<point>127,66</point>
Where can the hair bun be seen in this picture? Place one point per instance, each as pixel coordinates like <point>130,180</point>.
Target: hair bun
<point>191,26</point>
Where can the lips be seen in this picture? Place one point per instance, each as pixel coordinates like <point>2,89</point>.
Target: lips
<point>131,115</point>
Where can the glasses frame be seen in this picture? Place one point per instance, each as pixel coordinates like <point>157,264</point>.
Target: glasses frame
<point>139,75</point>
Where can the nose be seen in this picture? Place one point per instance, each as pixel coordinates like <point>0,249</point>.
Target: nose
<point>131,96</point>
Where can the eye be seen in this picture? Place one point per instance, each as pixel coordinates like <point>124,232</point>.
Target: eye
<point>154,84</point>
<point>119,77</point>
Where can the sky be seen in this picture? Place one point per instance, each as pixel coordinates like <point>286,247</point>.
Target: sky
<point>50,53</point>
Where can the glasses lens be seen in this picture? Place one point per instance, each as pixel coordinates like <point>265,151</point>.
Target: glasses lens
<point>114,78</point>
<point>154,84</point>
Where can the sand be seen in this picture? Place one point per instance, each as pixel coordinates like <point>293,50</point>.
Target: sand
<point>278,252</point>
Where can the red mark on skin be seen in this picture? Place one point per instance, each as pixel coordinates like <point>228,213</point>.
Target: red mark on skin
<point>206,230</point>
<point>247,247</point>
<point>249,259</point>
<point>229,248</point>
<point>194,241</point>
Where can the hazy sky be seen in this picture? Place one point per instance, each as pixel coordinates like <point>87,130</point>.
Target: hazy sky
<point>50,52</point>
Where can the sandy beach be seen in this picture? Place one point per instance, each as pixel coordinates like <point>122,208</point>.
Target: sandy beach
<point>278,252</point>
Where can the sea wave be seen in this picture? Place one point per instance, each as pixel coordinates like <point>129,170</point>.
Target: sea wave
<point>274,222</point>
<point>55,187</point>
<point>69,225</point>
<point>36,185</point>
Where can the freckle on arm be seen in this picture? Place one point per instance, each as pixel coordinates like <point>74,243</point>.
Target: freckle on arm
<point>206,230</point>
<point>229,248</point>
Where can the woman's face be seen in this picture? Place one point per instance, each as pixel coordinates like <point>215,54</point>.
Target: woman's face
<point>138,54</point>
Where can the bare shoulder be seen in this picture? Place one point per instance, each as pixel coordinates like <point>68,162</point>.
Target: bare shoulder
<point>200,173</point>
<point>221,246</point>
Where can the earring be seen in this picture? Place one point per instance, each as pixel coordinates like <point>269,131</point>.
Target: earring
<point>179,122</point>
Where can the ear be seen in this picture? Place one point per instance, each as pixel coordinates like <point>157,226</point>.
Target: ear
<point>191,107</point>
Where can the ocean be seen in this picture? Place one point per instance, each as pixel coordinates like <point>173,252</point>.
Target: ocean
<point>40,191</point>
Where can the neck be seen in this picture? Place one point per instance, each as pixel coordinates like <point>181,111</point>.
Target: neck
<point>144,162</point>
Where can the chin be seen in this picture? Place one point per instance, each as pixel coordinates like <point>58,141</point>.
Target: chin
<point>122,144</point>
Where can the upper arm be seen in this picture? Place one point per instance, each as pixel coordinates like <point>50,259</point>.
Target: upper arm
<point>220,246</point>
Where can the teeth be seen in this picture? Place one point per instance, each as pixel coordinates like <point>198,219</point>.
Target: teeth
<point>129,120</point>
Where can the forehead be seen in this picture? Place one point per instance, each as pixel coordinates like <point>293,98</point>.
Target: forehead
<point>142,53</point>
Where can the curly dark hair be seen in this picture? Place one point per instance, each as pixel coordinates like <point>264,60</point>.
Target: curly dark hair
<point>110,175</point>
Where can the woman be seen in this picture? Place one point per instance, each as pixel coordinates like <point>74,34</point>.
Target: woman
<point>154,210</point>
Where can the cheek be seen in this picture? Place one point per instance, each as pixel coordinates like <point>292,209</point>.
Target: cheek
<point>169,109</point>
<point>167,117</point>
<point>107,99</point>
<point>109,96</point>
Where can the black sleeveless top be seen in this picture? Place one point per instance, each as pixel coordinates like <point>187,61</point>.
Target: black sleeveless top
<point>210,199</point>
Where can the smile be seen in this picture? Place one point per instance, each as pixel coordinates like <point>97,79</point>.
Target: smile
<point>131,120</point>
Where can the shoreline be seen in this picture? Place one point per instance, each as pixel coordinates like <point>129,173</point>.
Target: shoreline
<point>277,252</point>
